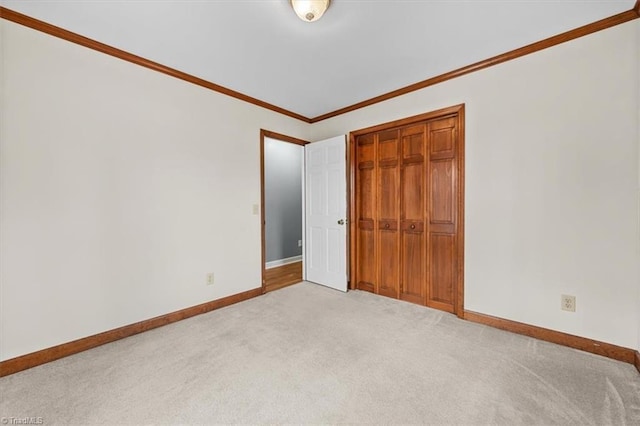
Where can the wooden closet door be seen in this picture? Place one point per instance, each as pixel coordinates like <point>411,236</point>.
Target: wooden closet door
<point>413,287</point>
<point>366,206</point>
<point>408,242</point>
<point>442,212</point>
<point>388,214</point>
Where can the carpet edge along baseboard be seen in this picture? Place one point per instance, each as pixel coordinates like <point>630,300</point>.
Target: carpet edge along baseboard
<point>608,350</point>
<point>44,356</point>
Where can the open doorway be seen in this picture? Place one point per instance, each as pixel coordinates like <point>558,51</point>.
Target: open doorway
<point>282,177</point>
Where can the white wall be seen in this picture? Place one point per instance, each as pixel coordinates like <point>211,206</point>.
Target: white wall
<point>121,188</point>
<point>551,182</point>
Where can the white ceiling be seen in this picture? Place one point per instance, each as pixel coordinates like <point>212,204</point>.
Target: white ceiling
<point>358,50</point>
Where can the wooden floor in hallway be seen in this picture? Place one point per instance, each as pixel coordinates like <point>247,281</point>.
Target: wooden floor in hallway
<point>283,276</point>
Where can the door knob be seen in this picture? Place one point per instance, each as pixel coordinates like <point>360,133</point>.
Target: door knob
<point>341,222</point>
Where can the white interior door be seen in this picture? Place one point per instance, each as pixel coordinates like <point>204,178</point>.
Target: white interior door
<point>326,213</point>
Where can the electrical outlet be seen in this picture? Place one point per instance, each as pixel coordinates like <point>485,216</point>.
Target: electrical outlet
<point>210,278</point>
<point>568,303</point>
<point>299,243</point>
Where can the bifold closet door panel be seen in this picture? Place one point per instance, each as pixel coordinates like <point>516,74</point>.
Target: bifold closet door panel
<point>442,212</point>
<point>388,171</point>
<point>366,213</point>
<point>413,184</point>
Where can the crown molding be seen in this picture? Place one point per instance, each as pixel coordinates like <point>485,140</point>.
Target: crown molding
<point>593,27</point>
<point>582,31</point>
<point>27,21</point>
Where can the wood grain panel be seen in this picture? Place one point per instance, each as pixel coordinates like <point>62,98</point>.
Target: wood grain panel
<point>413,287</point>
<point>442,266</point>
<point>388,149</point>
<point>366,212</point>
<point>366,178</point>
<point>388,193</point>
<point>416,157</point>
<point>366,224</point>
<point>442,142</point>
<point>412,226</point>
<point>44,356</point>
<point>388,163</point>
<point>413,284</point>
<point>582,343</point>
<point>413,176</point>
<point>390,136</point>
<point>442,228</point>
<point>442,138</point>
<point>366,268</point>
<point>365,140</point>
<point>366,153</point>
<point>413,143</point>
<point>388,214</point>
<point>419,173</point>
<point>442,203</point>
<point>366,165</point>
<point>388,263</point>
<point>413,191</point>
<point>385,224</point>
<point>365,286</point>
<point>443,215</point>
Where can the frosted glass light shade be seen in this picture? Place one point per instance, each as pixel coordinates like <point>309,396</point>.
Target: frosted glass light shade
<point>310,10</point>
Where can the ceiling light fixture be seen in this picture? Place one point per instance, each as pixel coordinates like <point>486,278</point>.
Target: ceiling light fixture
<point>310,10</point>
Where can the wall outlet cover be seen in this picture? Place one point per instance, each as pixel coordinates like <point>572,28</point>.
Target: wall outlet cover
<point>568,303</point>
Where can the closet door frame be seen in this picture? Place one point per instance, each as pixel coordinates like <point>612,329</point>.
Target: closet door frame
<point>456,112</point>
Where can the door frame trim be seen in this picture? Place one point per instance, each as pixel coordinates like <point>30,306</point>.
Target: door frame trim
<point>263,255</point>
<point>459,112</point>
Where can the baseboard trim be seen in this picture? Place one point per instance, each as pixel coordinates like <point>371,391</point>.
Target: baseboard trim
<point>282,262</point>
<point>599,348</point>
<point>637,361</point>
<point>44,356</point>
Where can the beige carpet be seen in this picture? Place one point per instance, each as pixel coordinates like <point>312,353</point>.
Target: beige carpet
<point>308,354</point>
